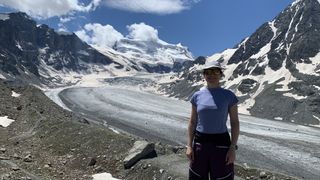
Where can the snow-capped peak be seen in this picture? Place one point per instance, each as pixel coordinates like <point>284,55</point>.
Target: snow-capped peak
<point>147,55</point>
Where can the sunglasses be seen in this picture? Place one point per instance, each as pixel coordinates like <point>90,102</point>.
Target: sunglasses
<point>211,71</point>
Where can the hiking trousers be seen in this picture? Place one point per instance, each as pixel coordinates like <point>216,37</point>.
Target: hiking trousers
<point>210,158</point>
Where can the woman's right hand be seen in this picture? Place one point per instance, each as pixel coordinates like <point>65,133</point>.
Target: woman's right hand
<point>189,153</point>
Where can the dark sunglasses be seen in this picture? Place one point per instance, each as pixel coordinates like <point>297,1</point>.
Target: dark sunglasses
<point>211,71</point>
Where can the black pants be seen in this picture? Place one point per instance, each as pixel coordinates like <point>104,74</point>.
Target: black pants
<point>210,157</point>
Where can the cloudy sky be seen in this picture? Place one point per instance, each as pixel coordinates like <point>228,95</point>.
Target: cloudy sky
<point>204,26</point>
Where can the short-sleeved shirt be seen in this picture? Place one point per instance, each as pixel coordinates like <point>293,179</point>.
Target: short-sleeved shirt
<point>212,107</point>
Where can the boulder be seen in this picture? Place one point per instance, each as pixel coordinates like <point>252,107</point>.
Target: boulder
<point>140,150</point>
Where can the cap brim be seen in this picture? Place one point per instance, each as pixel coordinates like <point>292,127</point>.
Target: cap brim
<point>209,67</point>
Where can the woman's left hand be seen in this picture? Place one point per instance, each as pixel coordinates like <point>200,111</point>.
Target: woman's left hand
<point>231,156</point>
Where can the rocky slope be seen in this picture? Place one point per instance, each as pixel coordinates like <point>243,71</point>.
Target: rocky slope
<point>47,142</point>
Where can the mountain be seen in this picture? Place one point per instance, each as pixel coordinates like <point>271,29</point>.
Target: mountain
<point>275,71</point>
<point>37,54</point>
<point>153,56</point>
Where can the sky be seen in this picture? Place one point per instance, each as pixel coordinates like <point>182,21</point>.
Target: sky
<point>204,26</point>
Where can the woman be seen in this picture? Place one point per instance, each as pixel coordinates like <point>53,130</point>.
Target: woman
<point>210,149</point>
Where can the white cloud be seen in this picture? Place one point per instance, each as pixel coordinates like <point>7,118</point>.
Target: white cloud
<point>66,19</point>
<point>50,8</point>
<point>107,36</point>
<point>151,6</point>
<point>62,22</point>
<point>142,32</point>
<point>47,9</point>
<point>97,34</point>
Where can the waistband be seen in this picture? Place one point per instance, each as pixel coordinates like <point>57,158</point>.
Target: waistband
<point>222,139</point>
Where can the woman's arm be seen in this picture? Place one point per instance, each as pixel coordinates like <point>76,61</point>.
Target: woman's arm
<point>191,129</point>
<point>234,123</point>
<point>235,130</point>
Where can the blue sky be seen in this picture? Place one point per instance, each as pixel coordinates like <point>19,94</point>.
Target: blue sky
<point>204,26</point>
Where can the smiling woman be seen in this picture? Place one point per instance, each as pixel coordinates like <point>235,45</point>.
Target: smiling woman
<point>211,150</point>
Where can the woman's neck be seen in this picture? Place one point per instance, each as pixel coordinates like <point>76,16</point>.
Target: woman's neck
<point>216,85</point>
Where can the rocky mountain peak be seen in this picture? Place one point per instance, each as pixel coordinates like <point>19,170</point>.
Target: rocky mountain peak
<point>150,55</point>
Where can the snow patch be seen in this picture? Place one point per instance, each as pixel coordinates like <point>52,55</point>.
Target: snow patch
<point>297,1</point>
<point>114,130</point>
<point>295,96</point>
<point>14,94</point>
<point>274,29</point>
<point>310,68</point>
<point>317,87</point>
<point>316,117</point>
<point>4,17</point>
<point>18,45</point>
<point>278,118</point>
<point>226,54</point>
<point>318,120</point>
<point>103,176</point>
<point>43,50</point>
<point>83,52</point>
<point>5,121</point>
<point>2,77</point>
<point>264,50</point>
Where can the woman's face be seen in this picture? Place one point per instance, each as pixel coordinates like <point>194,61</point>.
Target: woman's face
<point>212,75</point>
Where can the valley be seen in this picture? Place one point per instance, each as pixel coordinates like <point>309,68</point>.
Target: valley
<point>265,144</point>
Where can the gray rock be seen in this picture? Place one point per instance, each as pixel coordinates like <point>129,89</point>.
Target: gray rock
<point>140,150</point>
<point>3,150</point>
<point>263,174</point>
<point>92,161</point>
<point>27,158</point>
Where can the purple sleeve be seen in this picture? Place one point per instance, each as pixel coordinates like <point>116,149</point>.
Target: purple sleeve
<point>193,99</point>
<point>233,99</point>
